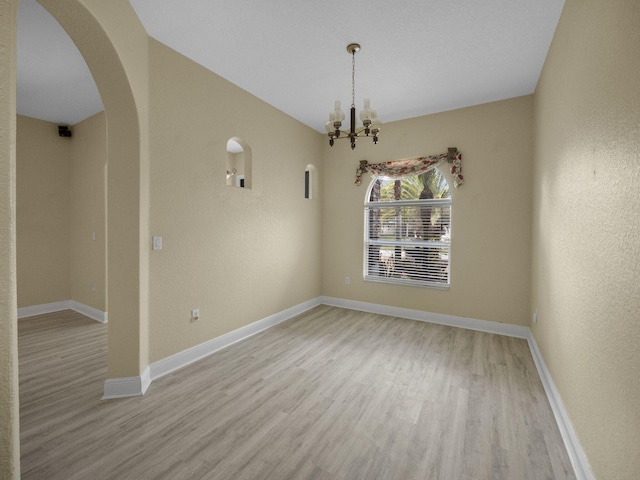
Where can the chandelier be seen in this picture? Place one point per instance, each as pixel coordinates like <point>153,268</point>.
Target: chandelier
<point>368,116</point>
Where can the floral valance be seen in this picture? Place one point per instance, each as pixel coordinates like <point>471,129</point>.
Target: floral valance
<point>413,166</point>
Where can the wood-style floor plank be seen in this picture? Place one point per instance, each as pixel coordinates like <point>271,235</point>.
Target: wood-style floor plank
<point>332,394</point>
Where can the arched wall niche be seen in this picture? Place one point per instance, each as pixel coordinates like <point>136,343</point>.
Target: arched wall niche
<point>239,162</point>
<point>114,45</point>
<point>311,182</point>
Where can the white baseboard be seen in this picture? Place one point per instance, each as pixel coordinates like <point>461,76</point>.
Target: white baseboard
<point>85,310</point>
<point>34,310</point>
<point>187,357</point>
<point>126,386</point>
<point>505,329</point>
<point>88,311</point>
<point>571,442</point>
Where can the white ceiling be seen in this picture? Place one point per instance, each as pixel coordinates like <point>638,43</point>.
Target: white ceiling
<point>418,56</point>
<point>54,82</point>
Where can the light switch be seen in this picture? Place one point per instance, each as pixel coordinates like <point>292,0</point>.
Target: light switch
<point>157,243</point>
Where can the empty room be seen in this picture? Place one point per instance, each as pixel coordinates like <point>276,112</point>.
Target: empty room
<point>294,240</point>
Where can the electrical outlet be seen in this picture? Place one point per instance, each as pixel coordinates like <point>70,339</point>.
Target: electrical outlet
<point>535,316</point>
<point>347,280</point>
<point>93,286</point>
<point>195,314</point>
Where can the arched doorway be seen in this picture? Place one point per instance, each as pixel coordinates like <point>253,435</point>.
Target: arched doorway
<point>114,45</point>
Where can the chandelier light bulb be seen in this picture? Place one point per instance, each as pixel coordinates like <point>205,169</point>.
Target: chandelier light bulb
<point>366,115</point>
<point>338,113</point>
<point>375,123</point>
<point>329,126</point>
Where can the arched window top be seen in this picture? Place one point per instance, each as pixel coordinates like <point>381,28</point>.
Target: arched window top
<point>431,184</point>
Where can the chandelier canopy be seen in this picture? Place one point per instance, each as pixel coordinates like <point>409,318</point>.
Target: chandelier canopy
<point>369,118</point>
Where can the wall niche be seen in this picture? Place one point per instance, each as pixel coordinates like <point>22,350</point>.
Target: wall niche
<point>238,163</point>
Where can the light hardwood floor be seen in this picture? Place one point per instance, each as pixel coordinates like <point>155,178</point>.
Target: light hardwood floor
<point>331,394</point>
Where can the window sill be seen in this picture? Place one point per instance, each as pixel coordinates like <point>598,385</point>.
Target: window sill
<point>406,283</point>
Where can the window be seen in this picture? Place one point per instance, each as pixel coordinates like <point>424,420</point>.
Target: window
<point>408,230</point>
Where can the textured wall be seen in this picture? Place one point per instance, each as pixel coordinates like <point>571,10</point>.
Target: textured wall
<point>43,208</point>
<point>491,215</point>
<point>61,201</point>
<point>586,260</point>
<point>9,414</point>
<point>88,202</point>
<point>239,255</point>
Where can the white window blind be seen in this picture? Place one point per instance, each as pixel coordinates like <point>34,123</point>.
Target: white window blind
<point>408,241</point>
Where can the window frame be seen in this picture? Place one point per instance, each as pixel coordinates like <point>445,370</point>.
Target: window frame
<point>368,242</point>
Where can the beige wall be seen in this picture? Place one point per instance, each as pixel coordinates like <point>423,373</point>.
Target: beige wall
<point>239,255</point>
<point>586,232</point>
<point>88,182</point>
<point>491,215</point>
<point>9,405</point>
<point>61,202</point>
<point>43,208</point>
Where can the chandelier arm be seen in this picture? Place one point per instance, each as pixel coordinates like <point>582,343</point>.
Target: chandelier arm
<point>357,133</point>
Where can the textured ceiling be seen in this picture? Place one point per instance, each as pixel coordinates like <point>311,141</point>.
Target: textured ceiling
<point>418,56</point>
